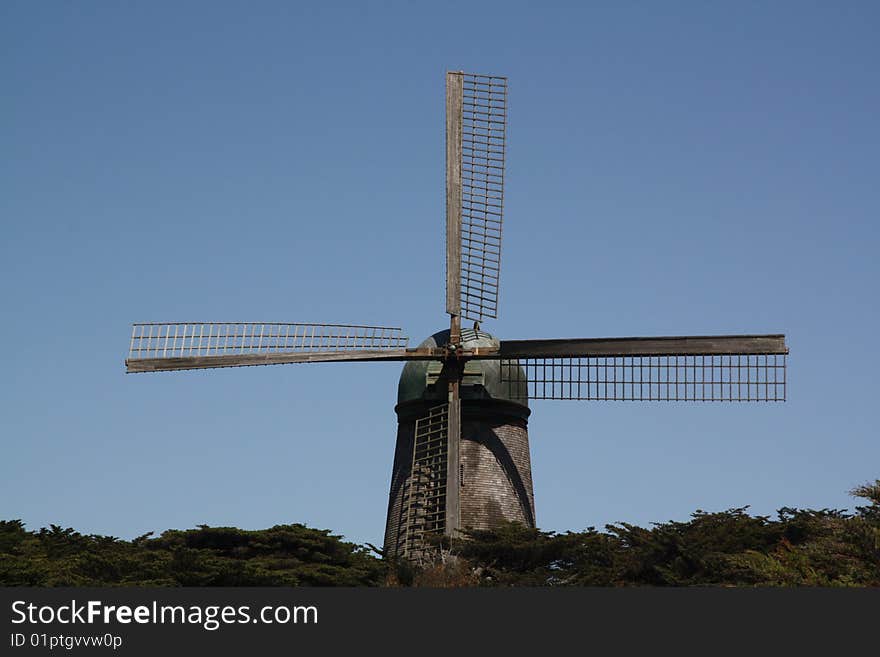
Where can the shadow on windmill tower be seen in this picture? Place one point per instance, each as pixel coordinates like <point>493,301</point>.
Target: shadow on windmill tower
<point>495,469</point>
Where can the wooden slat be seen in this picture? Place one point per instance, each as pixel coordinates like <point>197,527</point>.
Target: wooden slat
<point>453,193</point>
<point>453,472</point>
<point>650,346</point>
<point>242,360</point>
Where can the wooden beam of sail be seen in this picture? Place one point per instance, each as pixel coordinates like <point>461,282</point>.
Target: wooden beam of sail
<point>134,365</point>
<point>453,471</point>
<point>453,194</point>
<point>645,346</point>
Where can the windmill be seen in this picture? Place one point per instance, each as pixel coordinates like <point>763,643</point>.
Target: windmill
<point>462,456</point>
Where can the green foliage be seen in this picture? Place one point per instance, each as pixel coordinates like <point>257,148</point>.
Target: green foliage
<point>799,547</point>
<point>285,555</point>
<point>521,556</point>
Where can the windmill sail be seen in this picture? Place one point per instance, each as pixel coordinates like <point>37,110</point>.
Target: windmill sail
<point>476,107</point>
<point>694,368</point>
<point>198,345</point>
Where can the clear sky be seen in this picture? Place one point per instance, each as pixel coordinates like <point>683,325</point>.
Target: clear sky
<point>673,168</point>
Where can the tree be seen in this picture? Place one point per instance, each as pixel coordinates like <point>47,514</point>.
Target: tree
<point>800,547</point>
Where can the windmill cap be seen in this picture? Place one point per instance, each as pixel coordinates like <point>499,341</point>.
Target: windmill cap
<point>482,378</point>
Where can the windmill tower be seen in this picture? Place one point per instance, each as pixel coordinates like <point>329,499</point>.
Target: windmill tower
<point>462,454</point>
<point>494,465</point>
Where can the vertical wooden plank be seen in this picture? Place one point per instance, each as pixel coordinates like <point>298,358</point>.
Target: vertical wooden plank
<point>453,472</point>
<point>453,192</point>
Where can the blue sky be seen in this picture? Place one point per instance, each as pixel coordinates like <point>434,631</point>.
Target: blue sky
<point>674,168</point>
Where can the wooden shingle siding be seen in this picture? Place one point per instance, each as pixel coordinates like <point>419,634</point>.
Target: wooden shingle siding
<point>495,464</point>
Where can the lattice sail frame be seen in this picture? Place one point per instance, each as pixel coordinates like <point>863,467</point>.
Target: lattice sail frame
<point>483,150</point>
<point>711,377</point>
<point>185,339</point>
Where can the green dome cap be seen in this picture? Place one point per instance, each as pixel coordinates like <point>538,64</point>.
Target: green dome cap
<point>482,378</point>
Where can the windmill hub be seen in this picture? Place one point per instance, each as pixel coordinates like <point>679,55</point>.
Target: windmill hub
<point>425,381</point>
